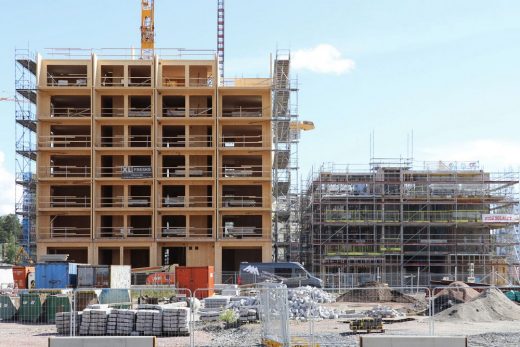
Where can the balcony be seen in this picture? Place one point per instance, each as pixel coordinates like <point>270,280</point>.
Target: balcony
<point>64,171</point>
<point>240,111</point>
<point>67,76</point>
<point>187,201</point>
<point>112,112</point>
<point>63,201</point>
<point>241,201</point>
<point>70,106</point>
<point>63,232</point>
<point>124,202</point>
<point>140,111</point>
<point>244,171</point>
<point>139,76</point>
<point>173,76</point>
<point>192,171</point>
<point>64,141</point>
<point>244,232</point>
<point>200,141</point>
<point>112,75</point>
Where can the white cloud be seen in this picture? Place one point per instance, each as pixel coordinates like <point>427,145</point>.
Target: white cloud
<point>7,188</point>
<point>323,58</point>
<point>493,155</point>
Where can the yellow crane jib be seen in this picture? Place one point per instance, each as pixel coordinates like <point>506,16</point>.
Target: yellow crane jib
<point>147,28</point>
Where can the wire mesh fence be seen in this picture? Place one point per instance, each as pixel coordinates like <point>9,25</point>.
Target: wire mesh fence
<point>269,314</point>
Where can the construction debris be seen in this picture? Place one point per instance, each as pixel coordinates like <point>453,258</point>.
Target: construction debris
<point>304,303</point>
<point>456,293</point>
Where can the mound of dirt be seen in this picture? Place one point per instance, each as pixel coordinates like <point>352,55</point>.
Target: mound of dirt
<point>491,305</point>
<point>459,291</point>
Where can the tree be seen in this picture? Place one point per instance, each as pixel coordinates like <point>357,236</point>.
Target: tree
<point>11,249</point>
<point>10,225</point>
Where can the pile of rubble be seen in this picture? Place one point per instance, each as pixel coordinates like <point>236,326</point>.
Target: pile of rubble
<point>304,303</point>
<point>384,312</point>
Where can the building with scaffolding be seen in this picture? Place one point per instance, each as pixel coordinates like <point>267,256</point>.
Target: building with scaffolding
<point>286,134</point>
<point>25,137</point>
<point>148,162</point>
<point>398,224</point>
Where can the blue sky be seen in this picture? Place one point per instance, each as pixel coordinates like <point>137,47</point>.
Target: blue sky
<point>446,70</point>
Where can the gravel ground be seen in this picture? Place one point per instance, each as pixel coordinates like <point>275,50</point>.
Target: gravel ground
<point>326,333</point>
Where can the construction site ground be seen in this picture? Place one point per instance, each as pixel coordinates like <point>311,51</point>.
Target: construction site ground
<point>328,332</point>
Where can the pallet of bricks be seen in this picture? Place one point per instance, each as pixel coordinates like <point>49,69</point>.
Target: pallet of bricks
<point>100,320</point>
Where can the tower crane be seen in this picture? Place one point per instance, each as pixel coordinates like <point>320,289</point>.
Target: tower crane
<point>147,29</point>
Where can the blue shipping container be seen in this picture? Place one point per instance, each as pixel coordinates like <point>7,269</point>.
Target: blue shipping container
<point>56,275</point>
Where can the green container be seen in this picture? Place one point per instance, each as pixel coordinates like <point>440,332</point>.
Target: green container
<point>511,295</point>
<point>54,304</point>
<point>30,307</point>
<point>8,307</point>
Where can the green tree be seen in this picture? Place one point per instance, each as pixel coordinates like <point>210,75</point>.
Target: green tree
<point>10,226</point>
<point>11,249</point>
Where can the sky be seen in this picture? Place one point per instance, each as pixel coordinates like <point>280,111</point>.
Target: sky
<point>445,71</point>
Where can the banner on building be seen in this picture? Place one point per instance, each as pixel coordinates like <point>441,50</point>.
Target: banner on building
<point>136,172</point>
<point>500,218</point>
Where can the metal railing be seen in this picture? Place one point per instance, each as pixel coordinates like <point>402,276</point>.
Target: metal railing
<point>237,232</point>
<point>64,201</point>
<point>187,201</point>
<point>58,112</point>
<point>62,232</point>
<point>71,80</point>
<point>352,216</point>
<point>123,201</point>
<point>201,81</point>
<point>139,81</point>
<point>231,141</point>
<point>183,232</point>
<point>239,111</point>
<point>67,171</point>
<point>112,81</point>
<point>244,171</point>
<point>192,171</point>
<point>64,141</point>
<point>112,112</point>
<point>246,82</point>
<point>123,232</point>
<point>140,111</point>
<point>144,141</point>
<point>185,141</point>
<point>234,201</point>
<point>173,81</point>
<point>192,111</point>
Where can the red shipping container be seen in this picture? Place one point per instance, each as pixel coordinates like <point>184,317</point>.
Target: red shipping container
<point>196,277</point>
<point>20,274</point>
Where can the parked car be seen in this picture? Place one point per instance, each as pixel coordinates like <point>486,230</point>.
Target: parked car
<point>291,274</point>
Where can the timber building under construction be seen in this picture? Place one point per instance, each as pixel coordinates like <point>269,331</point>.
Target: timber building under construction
<point>393,223</point>
<point>152,161</point>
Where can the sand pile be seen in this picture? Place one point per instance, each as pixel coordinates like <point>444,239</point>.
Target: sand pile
<point>491,305</point>
<point>456,293</point>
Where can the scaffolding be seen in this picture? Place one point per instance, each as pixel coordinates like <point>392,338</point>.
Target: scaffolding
<point>392,222</point>
<point>25,137</point>
<point>285,161</point>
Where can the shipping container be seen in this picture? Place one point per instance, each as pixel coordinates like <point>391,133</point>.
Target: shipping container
<point>56,275</point>
<point>6,276</point>
<point>21,274</point>
<point>195,277</point>
<point>104,276</point>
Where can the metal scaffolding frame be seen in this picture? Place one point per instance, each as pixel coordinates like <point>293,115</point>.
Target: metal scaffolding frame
<point>285,160</point>
<point>392,222</point>
<point>26,145</point>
